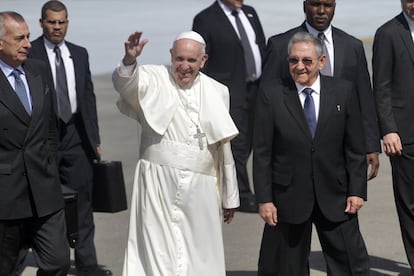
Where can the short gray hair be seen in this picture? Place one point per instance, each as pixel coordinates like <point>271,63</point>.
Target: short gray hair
<point>306,37</point>
<point>11,15</point>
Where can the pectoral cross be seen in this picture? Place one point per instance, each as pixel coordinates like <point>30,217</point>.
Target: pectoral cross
<point>199,136</point>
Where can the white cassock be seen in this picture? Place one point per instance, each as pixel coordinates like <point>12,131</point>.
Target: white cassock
<point>179,188</point>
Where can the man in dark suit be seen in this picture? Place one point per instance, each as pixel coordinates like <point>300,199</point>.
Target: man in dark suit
<point>309,166</point>
<point>31,202</point>
<point>230,61</point>
<point>346,60</point>
<point>393,70</point>
<point>79,133</point>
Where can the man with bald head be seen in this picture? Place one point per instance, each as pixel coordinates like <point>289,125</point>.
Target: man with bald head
<point>31,202</point>
<point>185,180</point>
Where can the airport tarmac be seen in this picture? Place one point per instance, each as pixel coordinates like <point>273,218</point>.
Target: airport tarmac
<point>119,136</point>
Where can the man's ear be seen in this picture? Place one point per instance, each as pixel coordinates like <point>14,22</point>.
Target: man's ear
<point>322,61</point>
<point>171,54</point>
<point>203,60</point>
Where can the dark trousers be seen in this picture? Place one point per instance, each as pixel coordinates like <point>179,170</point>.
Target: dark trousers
<point>46,236</point>
<point>242,144</point>
<point>403,183</point>
<point>285,248</point>
<point>76,172</point>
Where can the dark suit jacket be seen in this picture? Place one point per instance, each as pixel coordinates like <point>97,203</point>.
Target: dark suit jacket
<point>29,181</point>
<point>85,95</point>
<point>349,64</point>
<point>223,46</point>
<point>294,171</point>
<point>393,71</point>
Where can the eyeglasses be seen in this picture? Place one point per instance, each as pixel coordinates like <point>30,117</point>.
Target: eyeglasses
<point>305,61</point>
<point>54,22</point>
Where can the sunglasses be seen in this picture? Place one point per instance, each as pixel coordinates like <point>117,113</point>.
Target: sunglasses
<point>305,61</point>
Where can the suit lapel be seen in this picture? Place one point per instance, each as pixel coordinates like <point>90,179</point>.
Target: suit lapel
<point>339,52</point>
<point>253,22</point>
<point>295,108</point>
<point>326,100</point>
<point>225,22</point>
<point>42,50</point>
<point>78,70</point>
<point>37,91</point>
<point>9,98</point>
<point>405,34</point>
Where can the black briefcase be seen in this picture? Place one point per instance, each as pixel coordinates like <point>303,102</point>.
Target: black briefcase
<point>71,214</point>
<point>109,194</point>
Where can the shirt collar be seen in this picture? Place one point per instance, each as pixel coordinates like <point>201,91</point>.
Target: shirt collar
<point>49,45</point>
<point>410,22</point>
<point>316,86</point>
<point>327,32</point>
<point>7,69</point>
<point>226,9</point>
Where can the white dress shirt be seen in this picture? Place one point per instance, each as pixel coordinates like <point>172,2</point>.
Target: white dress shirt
<point>250,34</point>
<point>316,95</point>
<point>328,42</point>
<point>69,68</point>
<point>410,25</point>
<point>7,71</point>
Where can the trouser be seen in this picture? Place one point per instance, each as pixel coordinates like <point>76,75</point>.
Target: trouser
<point>403,184</point>
<point>46,236</point>
<point>286,247</point>
<point>242,144</point>
<point>76,172</point>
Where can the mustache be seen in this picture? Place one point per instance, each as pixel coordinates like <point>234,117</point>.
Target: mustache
<point>324,16</point>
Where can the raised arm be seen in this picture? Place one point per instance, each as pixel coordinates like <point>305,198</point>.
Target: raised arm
<point>133,48</point>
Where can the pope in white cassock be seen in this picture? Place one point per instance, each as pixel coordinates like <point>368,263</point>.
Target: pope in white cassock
<point>185,180</point>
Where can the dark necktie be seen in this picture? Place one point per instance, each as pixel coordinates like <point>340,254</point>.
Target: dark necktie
<point>248,53</point>
<point>326,70</point>
<point>309,110</point>
<point>65,112</point>
<point>21,91</point>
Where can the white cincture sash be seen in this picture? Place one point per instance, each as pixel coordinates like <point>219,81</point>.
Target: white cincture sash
<point>178,155</point>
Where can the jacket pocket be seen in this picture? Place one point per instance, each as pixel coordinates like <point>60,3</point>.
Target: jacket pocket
<point>282,176</point>
<point>5,169</point>
<point>397,103</point>
<point>342,179</point>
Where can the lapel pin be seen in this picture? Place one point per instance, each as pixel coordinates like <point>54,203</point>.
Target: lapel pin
<point>338,107</point>
<point>249,15</point>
